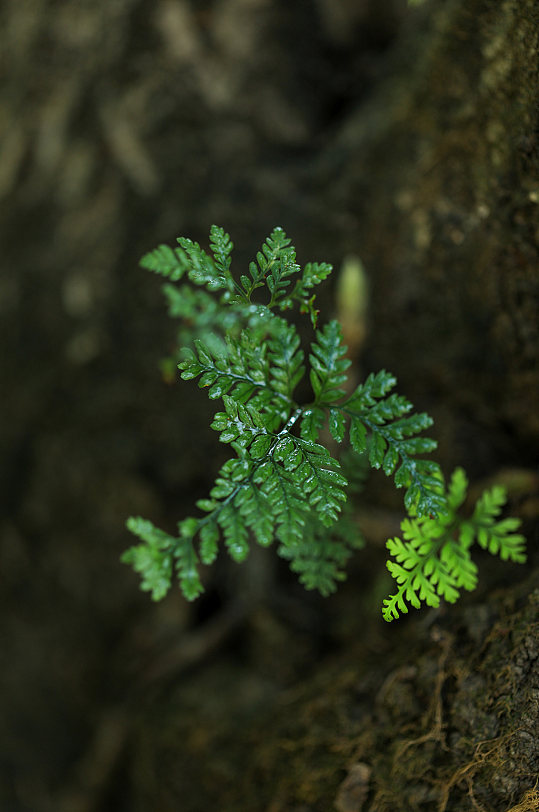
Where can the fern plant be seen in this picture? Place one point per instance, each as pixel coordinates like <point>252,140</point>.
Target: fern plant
<point>433,562</point>
<point>281,483</point>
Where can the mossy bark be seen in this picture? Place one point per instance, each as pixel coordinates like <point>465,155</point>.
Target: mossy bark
<point>441,177</point>
<point>440,717</point>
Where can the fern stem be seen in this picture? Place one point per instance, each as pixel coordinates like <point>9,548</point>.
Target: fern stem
<point>295,417</point>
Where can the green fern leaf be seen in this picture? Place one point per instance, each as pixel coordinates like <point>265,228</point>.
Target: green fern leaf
<point>321,480</point>
<point>187,560</point>
<point>244,426</point>
<point>313,274</point>
<point>167,262</point>
<point>275,264</point>
<point>222,247</point>
<point>328,366</point>
<point>498,537</point>
<point>289,488</point>
<point>209,538</point>
<point>257,513</point>
<point>320,556</point>
<point>434,561</point>
<point>287,502</point>
<point>241,370</point>
<point>337,424</point>
<point>378,425</point>
<point>286,359</point>
<point>312,420</point>
<point>202,269</point>
<point>457,490</point>
<point>235,532</point>
<point>153,559</point>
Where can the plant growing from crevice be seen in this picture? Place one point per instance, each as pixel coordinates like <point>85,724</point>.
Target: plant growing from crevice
<point>284,482</point>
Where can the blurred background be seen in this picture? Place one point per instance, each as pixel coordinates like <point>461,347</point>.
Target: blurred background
<point>403,134</point>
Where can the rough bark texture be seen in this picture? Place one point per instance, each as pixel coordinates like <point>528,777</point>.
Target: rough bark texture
<point>443,719</point>
<point>441,174</point>
<point>410,138</point>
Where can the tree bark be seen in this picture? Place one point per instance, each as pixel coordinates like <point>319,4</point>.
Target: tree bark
<point>407,137</point>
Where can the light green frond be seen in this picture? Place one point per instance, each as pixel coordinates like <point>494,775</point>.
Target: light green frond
<point>498,537</point>
<point>434,560</point>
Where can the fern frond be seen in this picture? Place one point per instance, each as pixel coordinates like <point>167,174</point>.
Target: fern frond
<point>281,489</point>
<point>221,246</point>
<point>286,359</point>
<point>313,274</point>
<point>201,317</point>
<point>235,532</point>
<point>241,370</point>
<point>328,366</point>
<point>319,557</point>
<point>153,559</point>
<point>434,561</point>
<point>498,537</point>
<point>379,426</point>
<point>257,512</point>
<point>319,560</point>
<point>312,421</point>
<point>202,269</point>
<point>327,374</point>
<point>245,426</point>
<point>248,369</point>
<point>275,263</point>
<point>417,568</point>
<point>323,481</point>
<point>317,474</point>
<point>165,261</point>
<point>289,488</point>
<point>378,422</point>
<point>274,488</point>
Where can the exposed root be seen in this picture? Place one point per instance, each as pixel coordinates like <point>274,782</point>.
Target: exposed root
<point>529,802</point>
<point>467,771</point>
<point>435,712</point>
